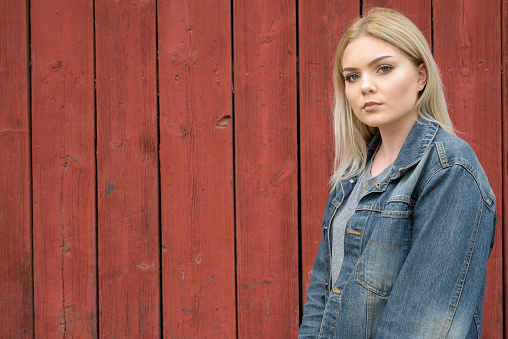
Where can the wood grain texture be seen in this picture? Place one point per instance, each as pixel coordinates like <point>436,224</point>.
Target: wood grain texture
<point>419,12</point>
<point>16,299</point>
<point>197,191</point>
<point>127,169</point>
<point>266,168</point>
<point>321,24</point>
<point>504,83</point>
<point>63,133</point>
<point>468,52</point>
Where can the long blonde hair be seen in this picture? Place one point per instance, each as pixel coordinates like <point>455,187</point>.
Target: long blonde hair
<point>351,135</point>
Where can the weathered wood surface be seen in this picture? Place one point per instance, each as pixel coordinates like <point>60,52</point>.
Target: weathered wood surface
<point>468,52</point>
<point>266,159</point>
<point>127,169</point>
<point>63,169</point>
<point>197,183</point>
<point>16,299</point>
<point>502,239</point>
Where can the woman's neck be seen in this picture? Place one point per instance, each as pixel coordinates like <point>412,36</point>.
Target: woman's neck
<point>391,142</point>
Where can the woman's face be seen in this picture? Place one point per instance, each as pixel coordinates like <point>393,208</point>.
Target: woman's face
<point>381,83</point>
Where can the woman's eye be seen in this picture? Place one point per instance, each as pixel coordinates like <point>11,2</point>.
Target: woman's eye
<point>351,77</point>
<point>384,69</point>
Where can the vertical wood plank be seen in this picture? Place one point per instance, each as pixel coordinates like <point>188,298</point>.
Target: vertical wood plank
<point>321,25</point>
<point>266,168</point>
<point>63,165</point>
<point>419,12</point>
<point>504,84</point>
<point>467,50</point>
<point>197,192</point>
<point>16,299</point>
<point>127,169</point>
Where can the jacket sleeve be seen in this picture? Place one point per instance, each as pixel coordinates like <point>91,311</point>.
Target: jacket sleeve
<point>316,301</point>
<point>440,288</point>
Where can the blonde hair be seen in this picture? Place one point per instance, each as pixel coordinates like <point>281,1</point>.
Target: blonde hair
<point>351,135</point>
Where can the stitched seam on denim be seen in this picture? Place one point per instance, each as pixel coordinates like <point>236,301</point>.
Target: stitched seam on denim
<point>370,302</point>
<point>337,318</point>
<point>338,308</point>
<point>384,212</point>
<point>329,275</point>
<point>396,214</point>
<point>330,279</point>
<point>429,177</point>
<point>371,288</point>
<point>335,203</point>
<point>487,198</point>
<point>477,323</point>
<point>347,281</point>
<point>441,153</point>
<point>369,208</point>
<point>460,285</point>
<point>401,198</point>
<point>324,316</point>
<point>410,228</point>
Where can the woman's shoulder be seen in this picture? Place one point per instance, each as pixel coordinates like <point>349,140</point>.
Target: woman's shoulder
<point>455,151</point>
<point>452,149</point>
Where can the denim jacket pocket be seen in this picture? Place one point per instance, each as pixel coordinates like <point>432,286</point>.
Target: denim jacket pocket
<point>386,250</point>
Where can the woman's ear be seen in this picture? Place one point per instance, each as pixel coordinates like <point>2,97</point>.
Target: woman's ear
<point>422,76</point>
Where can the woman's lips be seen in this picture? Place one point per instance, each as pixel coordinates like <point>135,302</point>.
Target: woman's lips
<point>370,106</point>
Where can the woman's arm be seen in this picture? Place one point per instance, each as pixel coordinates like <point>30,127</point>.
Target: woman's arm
<point>440,288</point>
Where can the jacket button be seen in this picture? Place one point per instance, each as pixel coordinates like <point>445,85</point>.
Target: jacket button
<point>351,231</point>
<point>336,290</point>
<point>378,184</point>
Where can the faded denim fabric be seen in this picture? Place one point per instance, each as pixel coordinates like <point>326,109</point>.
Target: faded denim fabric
<point>415,250</point>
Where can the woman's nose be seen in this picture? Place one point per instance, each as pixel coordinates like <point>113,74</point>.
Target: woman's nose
<point>367,85</point>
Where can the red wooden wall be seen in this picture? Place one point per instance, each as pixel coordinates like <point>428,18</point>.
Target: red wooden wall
<point>164,165</point>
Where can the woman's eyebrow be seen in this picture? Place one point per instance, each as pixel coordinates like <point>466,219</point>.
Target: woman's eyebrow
<point>372,62</point>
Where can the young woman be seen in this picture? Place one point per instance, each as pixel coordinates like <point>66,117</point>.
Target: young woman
<point>410,220</point>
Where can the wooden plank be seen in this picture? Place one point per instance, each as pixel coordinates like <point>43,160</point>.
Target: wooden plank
<point>419,12</point>
<point>197,192</point>
<point>266,168</point>
<point>504,82</point>
<point>16,297</point>
<point>467,50</point>
<point>127,169</point>
<point>321,24</point>
<point>63,116</point>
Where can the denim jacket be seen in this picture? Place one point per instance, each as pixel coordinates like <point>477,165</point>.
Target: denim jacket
<point>415,250</point>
